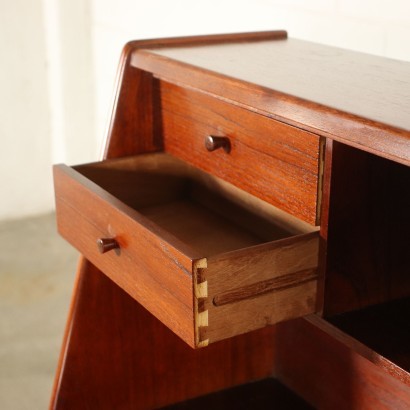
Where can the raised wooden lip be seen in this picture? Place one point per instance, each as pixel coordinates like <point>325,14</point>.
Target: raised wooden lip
<point>322,120</point>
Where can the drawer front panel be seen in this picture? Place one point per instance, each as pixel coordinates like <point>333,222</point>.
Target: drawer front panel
<point>273,161</point>
<point>154,273</point>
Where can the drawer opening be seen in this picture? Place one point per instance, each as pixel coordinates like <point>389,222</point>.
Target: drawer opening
<point>208,214</point>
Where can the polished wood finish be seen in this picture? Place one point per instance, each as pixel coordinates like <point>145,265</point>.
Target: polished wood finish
<point>368,231</point>
<point>76,201</point>
<point>324,201</point>
<point>117,355</point>
<point>355,108</point>
<point>248,289</point>
<point>285,160</point>
<point>192,245</point>
<point>132,128</point>
<point>276,65</point>
<point>307,85</point>
<point>266,286</point>
<point>384,328</point>
<point>332,370</point>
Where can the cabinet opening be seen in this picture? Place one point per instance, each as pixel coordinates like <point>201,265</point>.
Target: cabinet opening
<point>367,285</point>
<point>210,215</point>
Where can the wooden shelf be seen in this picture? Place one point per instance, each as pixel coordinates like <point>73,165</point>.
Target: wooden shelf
<point>384,328</point>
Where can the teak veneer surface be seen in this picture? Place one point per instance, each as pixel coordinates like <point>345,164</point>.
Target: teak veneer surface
<point>118,356</point>
<point>313,72</point>
<point>384,328</point>
<point>186,239</point>
<point>355,98</point>
<point>115,354</point>
<point>368,231</point>
<point>132,128</point>
<point>271,160</point>
<point>332,370</point>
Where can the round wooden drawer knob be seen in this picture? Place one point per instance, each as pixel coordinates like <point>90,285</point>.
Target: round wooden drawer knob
<point>107,244</point>
<point>212,143</point>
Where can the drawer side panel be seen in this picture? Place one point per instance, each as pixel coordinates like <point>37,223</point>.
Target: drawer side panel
<point>253,288</point>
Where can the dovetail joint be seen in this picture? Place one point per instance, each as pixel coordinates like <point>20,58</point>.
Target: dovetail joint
<point>201,313</point>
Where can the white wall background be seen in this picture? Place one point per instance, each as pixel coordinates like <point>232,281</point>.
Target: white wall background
<point>59,60</point>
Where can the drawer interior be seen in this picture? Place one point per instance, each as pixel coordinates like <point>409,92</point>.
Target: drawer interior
<point>209,260</point>
<point>210,215</point>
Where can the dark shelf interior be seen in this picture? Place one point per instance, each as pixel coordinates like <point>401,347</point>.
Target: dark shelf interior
<point>261,395</point>
<point>385,328</point>
<point>368,241</point>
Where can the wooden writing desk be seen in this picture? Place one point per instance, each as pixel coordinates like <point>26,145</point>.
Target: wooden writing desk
<point>250,221</point>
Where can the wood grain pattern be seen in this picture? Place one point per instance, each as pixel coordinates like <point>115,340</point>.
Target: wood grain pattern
<point>117,355</point>
<point>325,183</point>
<point>310,86</point>
<point>369,231</point>
<point>384,328</point>
<point>162,179</point>
<point>133,128</point>
<point>333,371</point>
<point>291,66</point>
<point>207,232</point>
<point>208,39</point>
<point>285,160</point>
<point>267,286</point>
<point>170,236</point>
<point>163,284</point>
<point>247,269</point>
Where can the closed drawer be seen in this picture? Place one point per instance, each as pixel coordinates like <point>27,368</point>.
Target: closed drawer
<point>273,161</point>
<point>207,259</point>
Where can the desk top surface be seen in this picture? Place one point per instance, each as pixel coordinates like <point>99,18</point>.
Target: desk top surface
<point>365,85</point>
<point>357,98</point>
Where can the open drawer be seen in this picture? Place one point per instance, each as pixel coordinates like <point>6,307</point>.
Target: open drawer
<point>207,259</point>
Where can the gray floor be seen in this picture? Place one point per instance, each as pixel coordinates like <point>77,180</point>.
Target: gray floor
<point>37,270</point>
